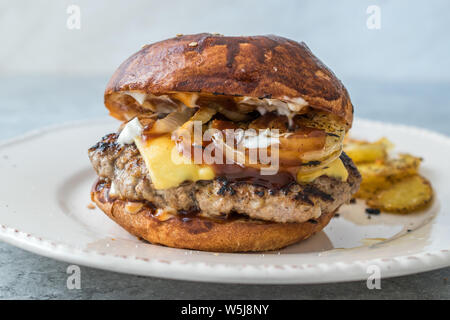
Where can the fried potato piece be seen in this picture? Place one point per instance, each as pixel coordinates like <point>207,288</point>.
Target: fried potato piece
<point>388,184</point>
<point>409,194</point>
<point>363,151</point>
<point>382,174</point>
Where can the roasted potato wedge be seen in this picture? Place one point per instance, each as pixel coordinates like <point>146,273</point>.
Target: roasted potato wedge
<point>406,195</point>
<point>382,174</point>
<point>363,151</point>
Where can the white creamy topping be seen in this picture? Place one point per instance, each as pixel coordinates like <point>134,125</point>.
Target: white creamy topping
<point>282,108</point>
<point>138,96</point>
<point>131,130</point>
<point>296,104</point>
<point>291,104</point>
<point>162,103</point>
<point>262,140</point>
<point>113,190</point>
<point>286,106</point>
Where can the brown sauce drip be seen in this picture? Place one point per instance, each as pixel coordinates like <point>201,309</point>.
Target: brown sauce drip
<point>288,168</point>
<point>237,174</point>
<point>146,132</point>
<point>188,215</point>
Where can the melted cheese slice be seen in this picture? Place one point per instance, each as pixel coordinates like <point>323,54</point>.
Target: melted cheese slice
<point>335,169</point>
<point>167,167</point>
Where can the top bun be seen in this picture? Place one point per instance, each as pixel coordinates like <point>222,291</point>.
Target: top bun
<point>256,67</point>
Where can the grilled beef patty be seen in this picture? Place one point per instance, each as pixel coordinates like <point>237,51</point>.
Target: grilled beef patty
<point>126,169</point>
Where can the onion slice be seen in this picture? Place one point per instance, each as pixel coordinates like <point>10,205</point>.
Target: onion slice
<point>204,114</point>
<point>171,122</point>
<point>237,156</point>
<point>184,135</point>
<point>232,115</point>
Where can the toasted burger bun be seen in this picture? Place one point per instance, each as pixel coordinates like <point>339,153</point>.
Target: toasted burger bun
<point>234,235</point>
<point>256,67</point>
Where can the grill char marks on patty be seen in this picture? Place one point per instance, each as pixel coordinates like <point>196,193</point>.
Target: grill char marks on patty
<point>124,166</point>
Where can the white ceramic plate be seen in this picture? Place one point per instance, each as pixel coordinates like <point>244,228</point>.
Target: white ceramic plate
<point>44,195</point>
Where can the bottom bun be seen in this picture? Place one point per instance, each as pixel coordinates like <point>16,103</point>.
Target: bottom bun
<point>238,234</point>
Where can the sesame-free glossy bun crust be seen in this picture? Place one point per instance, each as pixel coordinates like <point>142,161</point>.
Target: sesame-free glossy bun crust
<point>258,66</point>
<point>196,233</point>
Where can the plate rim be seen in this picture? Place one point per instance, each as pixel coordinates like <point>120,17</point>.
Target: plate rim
<point>248,274</point>
<point>202,271</point>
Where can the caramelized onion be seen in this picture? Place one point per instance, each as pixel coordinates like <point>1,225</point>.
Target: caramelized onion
<point>236,156</point>
<point>183,133</point>
<point>230,114</point>
<point>303,140</point>
<point>204,114</point>
<point>291,146</point>
<point>171,122</point>
<point>335,133</point>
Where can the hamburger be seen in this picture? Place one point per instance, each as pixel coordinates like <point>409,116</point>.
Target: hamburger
<point>227,144</point>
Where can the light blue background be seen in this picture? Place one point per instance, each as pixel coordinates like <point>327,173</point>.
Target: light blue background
<point>413,42</point>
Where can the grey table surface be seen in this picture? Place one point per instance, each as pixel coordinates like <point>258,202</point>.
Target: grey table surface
<point>30,102</point>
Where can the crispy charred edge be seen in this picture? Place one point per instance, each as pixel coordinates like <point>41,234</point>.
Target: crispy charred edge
<point>351,167</point>
<point>311,191</point>
<point>305,195</point>
<point>101,188</point>
<point>106,143</point>
<point>199,233</point>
